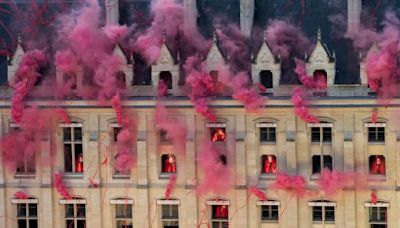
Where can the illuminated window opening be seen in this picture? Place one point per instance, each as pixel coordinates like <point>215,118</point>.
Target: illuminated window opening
<point>218,134</point>
<point>377,165</point>
<point>73,149</point>
<point>219,217</point>
<point>269,164</point>
<point>168,163</point>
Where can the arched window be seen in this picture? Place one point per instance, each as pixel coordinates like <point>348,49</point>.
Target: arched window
<point>166,77</point>
<point>320,77</point>
<point>266,79</point>
<point>121,80</point>
<point>377,165</point>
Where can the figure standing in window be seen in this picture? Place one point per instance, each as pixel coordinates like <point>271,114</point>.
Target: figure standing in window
<point>378,165</point>
<point>170,164</point>
<point>270,164</point>
<point>221,211</point>
<point>218,135</point>
<point>79,163</point>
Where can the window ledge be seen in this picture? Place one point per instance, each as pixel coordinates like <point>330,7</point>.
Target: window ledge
<point>270,221</point>
<point>323,143</point>
<point>121,176</point>
<point>268,143</point>
<point>316,176</point>
<point>24,176</point>
<point>376,177</point>
<point>265,176</point>
<point>73,175</point>
<point>165,176</point>
<point>376,143</point>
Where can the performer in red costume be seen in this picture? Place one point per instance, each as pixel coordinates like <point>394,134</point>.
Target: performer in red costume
<point>221,211</point>
<point>79,164</point>
<point>269,165</point>
<point>170,164</point>
<point>378,165</point>
<point>218,135</point>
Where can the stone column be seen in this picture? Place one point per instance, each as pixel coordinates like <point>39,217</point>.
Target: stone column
<point>190,14</point>
<point>353,15</point>
<point>246,16</point>
<point>112,12</point>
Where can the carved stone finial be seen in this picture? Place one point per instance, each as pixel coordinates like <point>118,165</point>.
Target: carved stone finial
<point>319,34</point>
<point>265,35</point>
<point>215,38</point>
<point>19,38</point>
<point>164,36</point>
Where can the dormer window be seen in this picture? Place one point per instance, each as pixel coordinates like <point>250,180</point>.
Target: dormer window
<point>121,80</point>
<point>166,78</point>
<point>320,78</point>
<point>377,165</point>
<point>266,79</point>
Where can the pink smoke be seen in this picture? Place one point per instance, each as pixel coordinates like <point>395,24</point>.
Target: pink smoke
<point>332,181</point>
<point>168,19</point>
<point>20,195</point>
<point>91,47</point>
<point>216,175</point>
<point>374,197</point>
<point>315,81</point>
<point>25,79</point>
<point>374,116</point>
<point>300,106</point>
<point>61,188</point>
<point>176,131</point>
<point>285,39</point>
<point>239,85</point>
<point>125,158</point>
<point>258,193</point>
<point>285,182</point>
<point>25,143</point>
<point>170,186</point>
<point>63,115</point>
<point>201,86</point>
<point>116,104</point>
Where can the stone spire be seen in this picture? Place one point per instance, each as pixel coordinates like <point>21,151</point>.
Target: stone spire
<point>353,15</point>
<point>246,16</point>
<point>112,12</point>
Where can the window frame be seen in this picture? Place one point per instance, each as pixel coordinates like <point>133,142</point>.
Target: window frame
<point>322,163</point>
<point>74,202</point>
<point>114,143</point>
<point>210,129</point>
<point>321,133</point>
<point>29,170</point>
<point>265,157</point>
<point>376,132</point>
<point>268,126</point>
<point>27,217</point>
<point>219,222</point>
<point>323,205</point>
<point>72,142</point>
<point>379,207</point>
<point>122,202</point>
<point>166,155</point>
<point>170,219</point>
<point>370,165</point>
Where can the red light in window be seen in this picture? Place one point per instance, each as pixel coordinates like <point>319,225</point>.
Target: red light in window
<point>221,211</point>
<point>169,164</point>
<point>218,135</point>
<point>79,164</point>
<point>378,165</point>
<point>269,164</point>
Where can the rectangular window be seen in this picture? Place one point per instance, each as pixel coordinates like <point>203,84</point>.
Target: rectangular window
<point>268,134</point>
<point>27,215</point>
<point>73,149</point>
<point>269,164</point>
<point>220,216</point>
<point>28,166</point>
<point>317,163</point>
<point>75,216</point>
<point>123,215</point>
<point>170,216</point>
<point>377,165</point>
<point>322,213</point>
<point>378,217</point>
<point>321,134</point>
<point>218,134</point>
<point>115,132</point>
<point>168,163</point>
<point>269,213</point>
<point>376,134</point>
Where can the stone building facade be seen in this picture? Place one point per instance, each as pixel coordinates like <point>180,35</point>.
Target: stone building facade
<point>260,145</point>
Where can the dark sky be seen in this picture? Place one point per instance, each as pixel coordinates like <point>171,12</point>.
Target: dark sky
<point>308,14</point>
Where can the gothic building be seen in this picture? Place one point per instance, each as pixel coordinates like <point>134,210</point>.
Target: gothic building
<point>259,146</point>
